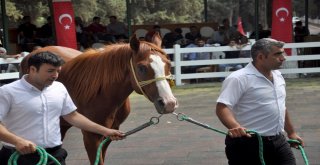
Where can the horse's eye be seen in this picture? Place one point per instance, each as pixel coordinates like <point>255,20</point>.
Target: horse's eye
<point>142,69</point>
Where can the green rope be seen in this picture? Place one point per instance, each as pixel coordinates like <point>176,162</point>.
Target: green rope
<point>260,146</point>
<point>304,156</point>
<point>42,153</point>
<point>96,162</point>
<point>183,117</point>
<point>152,121</point>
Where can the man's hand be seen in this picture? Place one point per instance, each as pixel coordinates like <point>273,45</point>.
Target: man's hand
<point>25,147</point>
<point>238,132</point>
<point>294,136</point>
<point>114,134</point>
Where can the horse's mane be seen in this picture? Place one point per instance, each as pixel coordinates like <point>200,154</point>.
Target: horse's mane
<point>94,70</point>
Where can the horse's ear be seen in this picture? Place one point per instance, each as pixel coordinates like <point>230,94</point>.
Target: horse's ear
<point>134,43</point>
<point>156,39</point>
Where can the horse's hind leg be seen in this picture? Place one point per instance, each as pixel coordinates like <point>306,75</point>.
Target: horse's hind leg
<point>91,143</point>
<point>64,127</point>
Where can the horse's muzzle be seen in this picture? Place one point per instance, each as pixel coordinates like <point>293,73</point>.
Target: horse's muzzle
<point>165,106</point>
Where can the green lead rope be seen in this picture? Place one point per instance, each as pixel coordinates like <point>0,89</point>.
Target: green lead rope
<point>152,121</point>
<point>96,162</point>
<point>183,117</point>
<point>42,153</point>
<point>304,156</point>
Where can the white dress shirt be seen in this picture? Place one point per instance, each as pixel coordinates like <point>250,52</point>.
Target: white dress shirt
<point>257,103</point>
<point>34,114</point>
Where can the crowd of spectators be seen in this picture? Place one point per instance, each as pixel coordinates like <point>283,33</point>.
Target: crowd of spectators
<point>225,35</point>
<point>29,35</point>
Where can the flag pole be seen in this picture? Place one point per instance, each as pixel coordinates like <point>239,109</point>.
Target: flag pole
<point>52,21</point>
<point>256,22</point>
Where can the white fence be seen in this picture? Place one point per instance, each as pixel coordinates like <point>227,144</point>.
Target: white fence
<point>4,75</point>
<point>178,62</point>
<point>289,69</point>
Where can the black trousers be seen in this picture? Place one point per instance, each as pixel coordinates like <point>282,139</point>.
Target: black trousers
<point>244,150</point>
<point>31,159</point>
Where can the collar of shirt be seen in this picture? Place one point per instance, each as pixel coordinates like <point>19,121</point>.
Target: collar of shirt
<point>29,86</point>
<point>251,69</point>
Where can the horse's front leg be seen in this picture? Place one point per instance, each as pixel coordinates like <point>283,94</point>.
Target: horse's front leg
<point>91,143</point>
<point>122,114</point>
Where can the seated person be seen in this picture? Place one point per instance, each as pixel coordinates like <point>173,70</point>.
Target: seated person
<point>3,54</point>
<point>172,38</point>
<point>230,31</point>
<point>46,33</point>
<point>98,31</point>
<point>262,33</point>
<point>232,54</point>
<point>27,34</point>
<point>199,42</point>
<point>8,67</point>
<point>300,32</point>
<point>192,35</point>
<point>116,28</point>
<point>219,37</point>
<point>81,34</point>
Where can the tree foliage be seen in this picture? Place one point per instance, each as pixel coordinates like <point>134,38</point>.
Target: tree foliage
<point>158,11</point>
<point>12,12</point>
<point>167,11</point>
<point>85,9</point>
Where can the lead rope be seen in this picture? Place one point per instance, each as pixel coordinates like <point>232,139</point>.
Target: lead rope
<point>182,117</point>
<point>152,121</point>
<point>43,157</point>
<point>304,156</point>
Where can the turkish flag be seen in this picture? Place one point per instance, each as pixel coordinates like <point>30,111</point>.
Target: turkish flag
<point>282,21</point>
<point>64,23</point>
<point>240,28</point>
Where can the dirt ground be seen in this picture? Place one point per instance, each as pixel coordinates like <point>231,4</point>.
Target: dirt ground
<point>173,142</point>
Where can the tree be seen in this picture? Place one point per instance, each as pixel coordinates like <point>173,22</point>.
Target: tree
<point>85,9</point>
<point>12,12</point>
<point>167,11</point>
<point>37,10</point>
<point>158,11</point>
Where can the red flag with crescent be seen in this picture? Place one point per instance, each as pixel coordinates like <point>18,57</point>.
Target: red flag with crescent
<point>64,23</point>
<point>282,21</point>
<point>240,27</point>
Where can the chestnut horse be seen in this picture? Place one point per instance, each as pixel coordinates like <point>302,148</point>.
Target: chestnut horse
<point>100,82</point>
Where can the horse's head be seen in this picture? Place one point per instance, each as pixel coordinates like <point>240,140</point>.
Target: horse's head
<point>150,73</point>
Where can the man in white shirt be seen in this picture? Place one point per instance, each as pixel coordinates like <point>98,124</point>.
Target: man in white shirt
<point>253,98</point>
<point>30,113</point>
